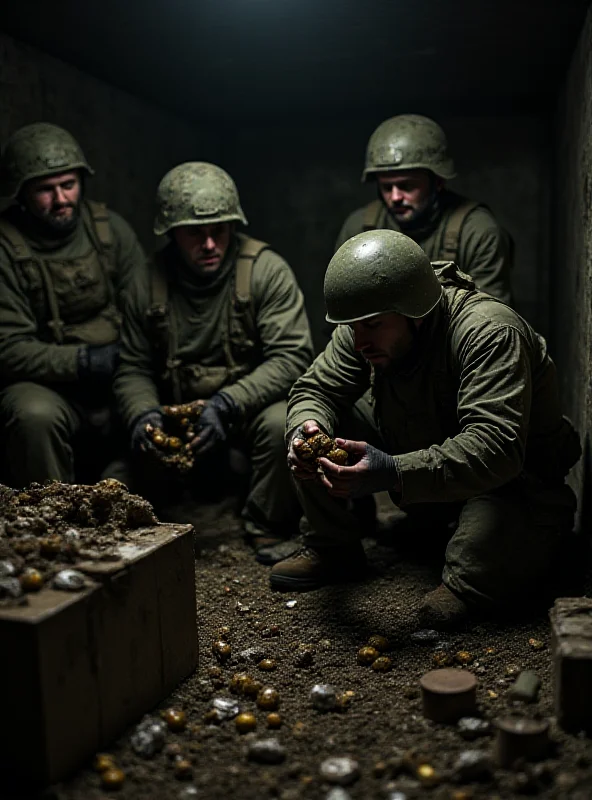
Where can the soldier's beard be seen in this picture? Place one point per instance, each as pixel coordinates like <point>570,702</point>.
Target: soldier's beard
<point>60,224</point>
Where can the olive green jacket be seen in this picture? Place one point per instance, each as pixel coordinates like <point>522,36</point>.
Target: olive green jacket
<point>27,352</point>
<point>474,406</point>
<point>199,309</point>
<point>484,248</point>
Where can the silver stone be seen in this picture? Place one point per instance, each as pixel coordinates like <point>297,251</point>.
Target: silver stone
<point>472,765</point>
<point>149,737</point>
<point>340,770</point>
<point>10,587</point>
<point>252,654</point>
<point>425,636</point>
<point>338,794</point>
<point>7,569</point>
<point>187,792</point>
<point>472,727</point>
<point>323,697</point>
<point>69,580</point>
<point>226,708</point>
<point>266,751</point>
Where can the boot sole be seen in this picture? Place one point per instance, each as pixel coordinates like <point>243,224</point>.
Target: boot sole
<point>289,584</point>
<point>285,584</point>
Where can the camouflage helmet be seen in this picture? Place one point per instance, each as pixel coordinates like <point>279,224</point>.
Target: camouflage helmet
<point>377,272</point>
<point>408,141</point>
<point>196,193</point>
<point>35,151</point>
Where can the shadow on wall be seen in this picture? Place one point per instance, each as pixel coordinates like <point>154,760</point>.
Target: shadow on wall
<point>298,183</point>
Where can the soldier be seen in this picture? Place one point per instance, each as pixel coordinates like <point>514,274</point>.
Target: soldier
<point>222,320</point>
<point>64,261</point>
<point>408,158</point>
<point>461,424</point>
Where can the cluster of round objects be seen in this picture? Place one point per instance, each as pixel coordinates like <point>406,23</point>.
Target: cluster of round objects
<point>112,776</point>
<point>319,445</point>
<point>444,658</point>
<point>173,441</point>
<point>371,655</point>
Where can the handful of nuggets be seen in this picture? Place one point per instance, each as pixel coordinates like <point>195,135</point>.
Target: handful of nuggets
<point>172,442</point>
<point>319,445</point>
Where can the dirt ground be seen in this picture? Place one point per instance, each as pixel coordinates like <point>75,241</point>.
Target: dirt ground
<point>382,729</point>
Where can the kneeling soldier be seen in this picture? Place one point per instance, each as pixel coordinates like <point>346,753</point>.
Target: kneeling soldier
<point>449,402</point>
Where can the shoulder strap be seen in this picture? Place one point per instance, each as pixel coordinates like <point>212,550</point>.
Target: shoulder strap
<point>371,214</point>
<point>248,252</point>
<point>21,253</point>
<point>454,224</point>
<point>19,249</point>
<point>99,214</point>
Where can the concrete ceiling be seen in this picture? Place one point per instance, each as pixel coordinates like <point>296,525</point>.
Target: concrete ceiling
<point>249,60</point>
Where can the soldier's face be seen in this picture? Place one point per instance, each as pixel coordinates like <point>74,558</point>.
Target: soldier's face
<point>408,193</point>
<point>203,247</point>
<point>54,199</point>
<point>384,338</point>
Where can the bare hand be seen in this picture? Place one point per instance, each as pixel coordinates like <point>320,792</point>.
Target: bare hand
<point>302,470</point>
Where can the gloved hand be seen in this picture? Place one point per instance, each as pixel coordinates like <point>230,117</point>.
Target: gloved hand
<point>98,361</point>
<point>373,471</point>
<point>140,440</point>
<point>215,422</point>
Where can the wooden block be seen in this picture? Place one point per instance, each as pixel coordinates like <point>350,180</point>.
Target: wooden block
<point>448,694</point>
<point>571,642</point>
<point>521,738</point>
<point>77,669</point>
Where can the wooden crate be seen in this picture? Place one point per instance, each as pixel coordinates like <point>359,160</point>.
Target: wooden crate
<point>571,627</point>
<point>76,669</point>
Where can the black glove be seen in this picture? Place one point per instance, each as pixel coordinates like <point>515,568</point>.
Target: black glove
<point>98,361</point>
<point>140,440</point>
<point>215,422</point>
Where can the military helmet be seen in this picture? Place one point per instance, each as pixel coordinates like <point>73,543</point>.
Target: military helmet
<point>377,272</point>
<point>196,193</point>
<point>408,141</point>
<point>35,151</point>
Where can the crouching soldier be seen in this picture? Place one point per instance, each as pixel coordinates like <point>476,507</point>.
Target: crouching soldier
<point>221,325</point>
<point>449,401</point>
<point>64,262</point>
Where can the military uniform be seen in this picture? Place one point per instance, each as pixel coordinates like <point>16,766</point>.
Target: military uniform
<point>454,228</point>
<point>243,331</point>
<point>471,415</point>
<point>58,296</point>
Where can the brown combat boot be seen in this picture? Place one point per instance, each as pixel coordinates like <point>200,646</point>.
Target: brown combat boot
<point>442,610</point>
<point>309,568</point>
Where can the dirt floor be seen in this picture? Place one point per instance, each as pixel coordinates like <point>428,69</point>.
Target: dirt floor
<point>382,728</point>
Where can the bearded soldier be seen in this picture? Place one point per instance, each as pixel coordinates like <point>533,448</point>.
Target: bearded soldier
<point>222,320</point>
<point>449,401</point>
<point>64,262</point>
<point>407,157</point>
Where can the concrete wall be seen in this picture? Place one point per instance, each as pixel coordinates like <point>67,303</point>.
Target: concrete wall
<point>130,144</point>
<point>571,265</point>
<point>299,182</point>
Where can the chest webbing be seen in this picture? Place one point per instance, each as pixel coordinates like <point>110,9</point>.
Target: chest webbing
<point>163,332</point>
<point>95,217</point>
<point>454,221</point>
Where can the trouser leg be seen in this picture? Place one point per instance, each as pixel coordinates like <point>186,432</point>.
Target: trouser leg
<point>331,520</point>
<point>506,544</point>
<point>39,425</point>
<point>271,505</point>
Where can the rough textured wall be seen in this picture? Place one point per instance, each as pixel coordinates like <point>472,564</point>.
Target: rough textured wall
<point>571,270</point>
<point>129,143</point>
<point>298,183</point>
